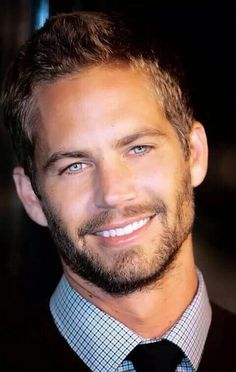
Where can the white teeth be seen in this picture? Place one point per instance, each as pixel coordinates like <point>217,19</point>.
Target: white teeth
<point>112,233</point>
<point>123,230</point>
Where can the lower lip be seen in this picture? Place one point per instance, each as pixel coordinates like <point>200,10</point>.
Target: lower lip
<point>120,240</point>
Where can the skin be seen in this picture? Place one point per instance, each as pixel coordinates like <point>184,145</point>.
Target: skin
<point>105,146</point>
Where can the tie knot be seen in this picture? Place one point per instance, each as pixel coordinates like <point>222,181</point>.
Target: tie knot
<point>161,356</point>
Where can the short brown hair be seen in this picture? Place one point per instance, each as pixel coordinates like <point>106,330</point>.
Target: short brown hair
<point>68,43</point>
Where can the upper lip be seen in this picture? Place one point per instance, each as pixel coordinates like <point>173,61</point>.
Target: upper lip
<point>122,224</point>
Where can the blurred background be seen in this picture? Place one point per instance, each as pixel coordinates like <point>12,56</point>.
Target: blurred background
<point>204,37</point>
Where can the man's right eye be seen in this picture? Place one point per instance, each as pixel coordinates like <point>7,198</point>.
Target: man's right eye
<point>74,168</point>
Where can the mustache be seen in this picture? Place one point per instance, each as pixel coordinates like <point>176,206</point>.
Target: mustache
<point>93,224</point>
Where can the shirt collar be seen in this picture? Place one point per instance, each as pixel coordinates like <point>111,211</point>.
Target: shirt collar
<point>103,343</point>
<point>190,331</point>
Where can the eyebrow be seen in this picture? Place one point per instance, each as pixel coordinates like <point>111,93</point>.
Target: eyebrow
<point>85,154</point>
<point>63,155</point>
<point>133,137</point>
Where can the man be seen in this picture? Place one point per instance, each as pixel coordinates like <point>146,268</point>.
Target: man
<point>109,153</point>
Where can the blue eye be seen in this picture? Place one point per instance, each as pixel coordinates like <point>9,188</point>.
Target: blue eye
<point>75,168</point>
<point>140,149</point>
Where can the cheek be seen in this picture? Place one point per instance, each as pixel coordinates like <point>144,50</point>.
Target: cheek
<point>70,201</point>
<point>156,179</point>
<point>165,182</point>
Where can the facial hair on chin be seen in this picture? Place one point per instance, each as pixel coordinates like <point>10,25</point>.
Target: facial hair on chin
<point>126,276</point>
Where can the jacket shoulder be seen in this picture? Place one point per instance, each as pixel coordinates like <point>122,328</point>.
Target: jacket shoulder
<point>219,349</point>
<point>35,344</point>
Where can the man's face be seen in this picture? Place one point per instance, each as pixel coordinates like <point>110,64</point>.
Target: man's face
<point>114,183</point>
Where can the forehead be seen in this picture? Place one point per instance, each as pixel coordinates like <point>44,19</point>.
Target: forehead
<point>95,81</point>
<point>98,99</point>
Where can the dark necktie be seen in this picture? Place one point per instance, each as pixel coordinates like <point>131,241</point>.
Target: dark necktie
<point>162,356</point>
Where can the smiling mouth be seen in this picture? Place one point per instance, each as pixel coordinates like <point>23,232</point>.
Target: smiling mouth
<point>126,230</point>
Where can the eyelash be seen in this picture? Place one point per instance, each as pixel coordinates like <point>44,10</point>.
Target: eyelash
<point>146,148</point>
<point>67,169</point>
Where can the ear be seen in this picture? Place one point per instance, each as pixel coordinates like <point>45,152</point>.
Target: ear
<point>28,197</point>
<point>199,154</point>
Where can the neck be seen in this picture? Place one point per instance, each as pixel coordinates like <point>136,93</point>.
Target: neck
<point>152,311</point>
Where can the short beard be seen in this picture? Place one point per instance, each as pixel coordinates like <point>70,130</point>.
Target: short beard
<point>125,277</point>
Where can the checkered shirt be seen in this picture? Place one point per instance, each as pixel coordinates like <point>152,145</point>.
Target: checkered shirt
<point>103,343</point>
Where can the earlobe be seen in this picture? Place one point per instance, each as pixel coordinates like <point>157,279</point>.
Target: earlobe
<point>199,154</point>
<point>28,197</point>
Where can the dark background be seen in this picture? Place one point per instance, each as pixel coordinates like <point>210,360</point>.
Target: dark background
<point>204,36</point>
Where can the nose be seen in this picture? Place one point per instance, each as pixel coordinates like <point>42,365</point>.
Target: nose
<point>115,186</point>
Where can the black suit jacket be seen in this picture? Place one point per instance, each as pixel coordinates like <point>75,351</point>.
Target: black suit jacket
<point>220,348</point>
<point>37,346</point>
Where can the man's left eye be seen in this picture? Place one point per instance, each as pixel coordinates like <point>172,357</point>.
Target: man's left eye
<point>140,149</point>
